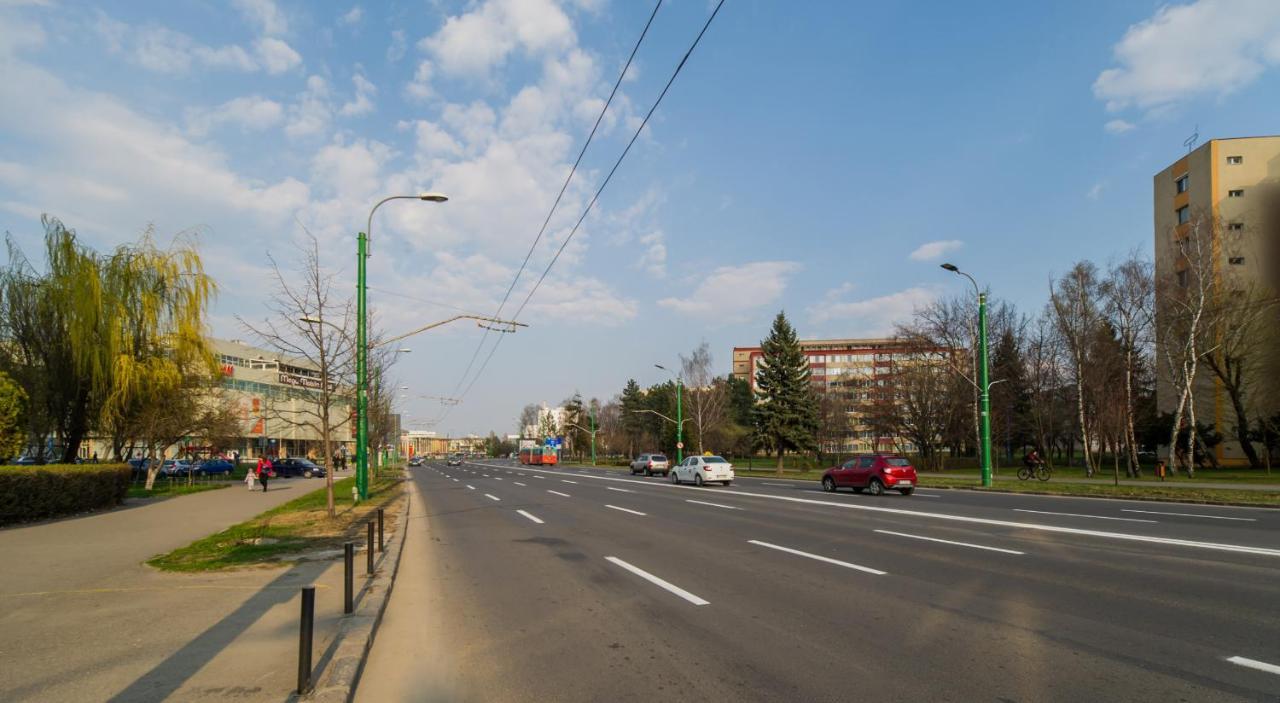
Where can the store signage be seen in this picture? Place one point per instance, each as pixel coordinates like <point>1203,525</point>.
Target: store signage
<point>289,379</point>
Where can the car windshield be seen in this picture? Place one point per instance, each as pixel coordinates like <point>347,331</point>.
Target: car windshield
<point>713,460</point>
<point>897,461</point>
<point>305,462</point>
<point>658,457</point>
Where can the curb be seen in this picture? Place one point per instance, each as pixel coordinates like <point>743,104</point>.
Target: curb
<point>356,631</point>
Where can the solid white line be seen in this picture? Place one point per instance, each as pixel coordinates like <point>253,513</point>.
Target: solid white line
<point>784,485</point>
<point>926,495</point>
<point>714,505</point>
<point>565,480</point>
<point>947,541</point>
<point>558,493</point>
<point>1095,517</point>
<point>620,490</point>
<point>625,510</point>
<point>1211,517</point>
<point>532,517</point>
<point>471,487</point>
<point>517,483</point>
<point>1042,527</point>
<point>490,496</point>
<point>828,560</point>
<point>658,582</point>
<point>1255,664</point>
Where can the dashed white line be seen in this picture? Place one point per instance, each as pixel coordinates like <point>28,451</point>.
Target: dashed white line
<point>625,510</point>
<point>818,557</point>
<point>1210,517</point>
<point>454,480</point>
<point>1095,517</point>
<point>670,587</point>
<point>517,483</point>
<point>558,493</point>
<point>1255,664</point>
<point>565,480</point>
<point>620,490</point>
<point>491,496</point>
<point>947,541</point>
<point>531,517</point>
<point>497,478</point>
<point>784,485</point>
<point>541,477</point>
<point>471,487</point>
<point>714,505</point>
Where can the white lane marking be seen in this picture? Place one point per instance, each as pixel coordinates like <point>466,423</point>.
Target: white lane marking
<point>537,476</point>
<point>454,479</point>
<point>565,480</point>
<point>1095,517</point>
<point>784,485</point>
<point>1255,664</point>
<point>658,582</point>
<point>1041,527</point>
<point>620,490</point>
<point>926,495</point>
<point>558,493</point>
<point>532,517</point>
<point>519,474</point>
<point>714,505</point>
<point>947,541</point>
<point>471,487</point>
<point>490,496</point>
<point>819,557</point>
<point>497,478</point>
<point>486,475</point>
<point>517,483</point>
<point>625,510</point>
<point>1211,517</point>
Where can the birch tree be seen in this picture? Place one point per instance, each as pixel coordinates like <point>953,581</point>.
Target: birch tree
<point>1073,300</point>
<point>1128,293</point>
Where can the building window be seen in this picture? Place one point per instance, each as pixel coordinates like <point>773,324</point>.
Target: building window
<point>1181,183</point>
<point>1235,160</point>
<point>1237,193</point>
<point>1235,226</point>
<point>1236,261</point>
<point>1184,214</point>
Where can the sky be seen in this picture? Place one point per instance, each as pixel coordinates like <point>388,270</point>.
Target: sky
<point>820,158</point>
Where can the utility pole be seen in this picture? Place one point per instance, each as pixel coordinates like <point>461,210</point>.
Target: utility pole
<point>984,385</point>
<point>591,413</point>
<point>362,371</point>
<point>679,421</point>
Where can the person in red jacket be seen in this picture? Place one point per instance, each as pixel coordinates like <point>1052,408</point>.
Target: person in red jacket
<point>263,471</point>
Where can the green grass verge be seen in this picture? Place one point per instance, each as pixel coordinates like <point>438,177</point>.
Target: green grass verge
<point>169,490</point>
<point>299,525</point>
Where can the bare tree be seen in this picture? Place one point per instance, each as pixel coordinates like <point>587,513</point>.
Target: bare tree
<point>1237,325</point>
<point>706,395</point>
<point>528,418</point>
<point>1129,296</point>
<point>1074,302</point>
<point>312,329</point>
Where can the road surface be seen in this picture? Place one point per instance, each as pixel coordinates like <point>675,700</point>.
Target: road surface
<point>529,583</point>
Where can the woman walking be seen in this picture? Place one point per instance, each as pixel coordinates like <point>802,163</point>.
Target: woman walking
<point>264,471</point>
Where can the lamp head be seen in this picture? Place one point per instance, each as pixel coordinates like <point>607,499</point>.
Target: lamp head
<point>951,267</point>
<point>433,197</point>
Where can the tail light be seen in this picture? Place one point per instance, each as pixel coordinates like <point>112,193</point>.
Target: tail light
<point>650,465</point>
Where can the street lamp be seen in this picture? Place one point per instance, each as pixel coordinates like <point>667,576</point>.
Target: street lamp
<point>679,413</point>
<point>984,386</point>
<point>362,341</point>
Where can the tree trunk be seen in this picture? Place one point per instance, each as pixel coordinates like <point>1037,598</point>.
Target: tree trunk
<point>1242,425</point>
<point>1130,436</point>
<point>779,467</point>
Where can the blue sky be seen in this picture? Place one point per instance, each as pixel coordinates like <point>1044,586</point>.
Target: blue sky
<point>817,157</point>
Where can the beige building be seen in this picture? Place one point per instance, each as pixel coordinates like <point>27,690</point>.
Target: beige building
<point>1217,188</point>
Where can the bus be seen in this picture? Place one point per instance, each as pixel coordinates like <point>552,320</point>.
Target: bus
<point>535,456</point>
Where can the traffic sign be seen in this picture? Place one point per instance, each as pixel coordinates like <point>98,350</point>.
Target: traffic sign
<point>679,445</point>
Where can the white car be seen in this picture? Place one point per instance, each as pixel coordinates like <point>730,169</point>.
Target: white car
<point>702,469</point>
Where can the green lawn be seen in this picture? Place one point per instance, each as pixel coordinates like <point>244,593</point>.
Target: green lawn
<point>166,489</point>
<point>297,526</point>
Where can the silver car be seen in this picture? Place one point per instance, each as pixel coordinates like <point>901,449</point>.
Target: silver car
<point>651,464</point>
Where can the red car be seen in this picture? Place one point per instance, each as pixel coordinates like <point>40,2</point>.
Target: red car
<point>874,473</point>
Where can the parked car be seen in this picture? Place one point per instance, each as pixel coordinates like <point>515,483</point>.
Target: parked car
<point>873,473</point>
<point>454,460</point>
<point>25,460</point>
<point>416,461</point>
<point>296,466</point>
<point>174,467</point>
<point>214,467</point>
<point>650,464</point>
<point>702,469</point>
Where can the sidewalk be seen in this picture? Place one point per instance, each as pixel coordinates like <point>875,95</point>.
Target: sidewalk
<point>83,618</point>
<point>1149,483</point>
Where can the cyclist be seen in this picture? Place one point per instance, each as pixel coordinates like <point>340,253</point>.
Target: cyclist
<point>1032,459</point>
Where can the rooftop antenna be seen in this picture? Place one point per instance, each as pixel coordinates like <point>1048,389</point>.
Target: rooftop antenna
<point>1190,143</point>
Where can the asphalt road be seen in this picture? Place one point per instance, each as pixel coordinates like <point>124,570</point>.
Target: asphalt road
<point>584,585</point>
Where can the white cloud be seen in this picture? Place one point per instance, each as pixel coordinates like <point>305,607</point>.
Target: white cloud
<point>730,293</point>
<point>873,316</point>
<point>362,103</point>
<point>264,15</point>
<point>1118,126</point>
<point>433,141</point>
<point>312,113</point>
<point>1208,47</point>
<point>397,47</point>
<point>276,55</point>
<point>930,251</point>
<point>654,258</point>
<point>420,87</point>
<point>250,113</point>
<point>473,43</point>
<point>352,16</point>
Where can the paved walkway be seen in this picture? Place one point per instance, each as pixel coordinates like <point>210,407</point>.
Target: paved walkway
<point>83,618</point>
<point>1149,483</point>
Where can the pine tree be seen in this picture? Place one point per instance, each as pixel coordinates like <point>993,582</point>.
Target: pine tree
<point>786,418</point>
<point>632,422</point>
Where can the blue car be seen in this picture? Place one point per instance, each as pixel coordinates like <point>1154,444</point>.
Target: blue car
<point>214,467</point>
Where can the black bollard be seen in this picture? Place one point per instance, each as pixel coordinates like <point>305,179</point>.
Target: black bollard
<point>348,573</point>
<point>304,638</point>
<point>381,544</point>
<point>369,566</point>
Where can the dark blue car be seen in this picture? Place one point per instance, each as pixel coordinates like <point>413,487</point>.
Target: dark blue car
<point>214,467</point>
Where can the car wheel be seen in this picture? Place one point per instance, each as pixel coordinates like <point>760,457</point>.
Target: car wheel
<point>306,474</point>
<point>727,482</point>
<point>675,478</point>
<point>875,488</point>
<point>828,484</point>
<point>906,491</point>
<point>697,480</point>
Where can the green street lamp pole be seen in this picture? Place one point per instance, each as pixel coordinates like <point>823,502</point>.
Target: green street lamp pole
<point>984,384</point>
<point>679,413</point>
<point>591,413</point>
<point>362,342</point>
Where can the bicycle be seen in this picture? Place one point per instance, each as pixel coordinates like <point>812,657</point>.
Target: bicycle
<point>1040,471</point>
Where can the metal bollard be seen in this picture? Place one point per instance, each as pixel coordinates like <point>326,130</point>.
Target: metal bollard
<point>369,554</point>
<point>304,638</point>
<point>348,572</point>
<point>381,544</point>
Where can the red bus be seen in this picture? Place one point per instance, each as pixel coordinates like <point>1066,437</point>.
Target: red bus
<point>538,456</point>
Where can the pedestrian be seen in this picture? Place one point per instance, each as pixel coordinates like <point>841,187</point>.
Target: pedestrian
<point>1160,469</point>
<point>264,471</point>
<point>248,479</point>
